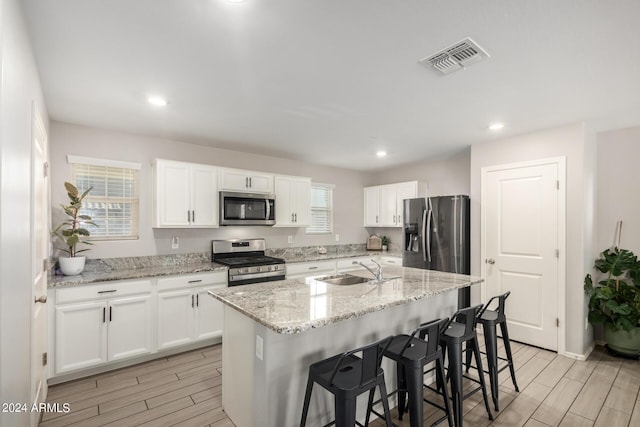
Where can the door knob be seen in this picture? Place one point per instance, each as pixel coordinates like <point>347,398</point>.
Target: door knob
<point>490,261</point>
<point>41,299</point>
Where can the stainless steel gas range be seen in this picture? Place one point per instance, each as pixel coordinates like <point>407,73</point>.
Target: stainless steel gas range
<point>246,261</point>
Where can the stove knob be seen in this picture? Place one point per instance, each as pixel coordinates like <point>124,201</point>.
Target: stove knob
<point>269,268</point>
<point>259,269</point>
<point>276,267</point>
<point>245,270</point>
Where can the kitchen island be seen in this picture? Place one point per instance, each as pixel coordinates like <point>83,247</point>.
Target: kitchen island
<point>274,331</point>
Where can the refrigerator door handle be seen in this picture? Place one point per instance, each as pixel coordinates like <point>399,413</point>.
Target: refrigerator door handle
<point>428,231</point>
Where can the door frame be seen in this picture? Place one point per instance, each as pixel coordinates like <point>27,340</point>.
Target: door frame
<point>561,163</point>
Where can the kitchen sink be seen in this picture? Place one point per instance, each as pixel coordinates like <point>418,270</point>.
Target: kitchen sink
<point>343,279</point>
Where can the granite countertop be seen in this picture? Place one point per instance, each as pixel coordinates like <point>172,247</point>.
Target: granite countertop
<point>296,305</point>
<point>308,257</point>
<point>108,269</point>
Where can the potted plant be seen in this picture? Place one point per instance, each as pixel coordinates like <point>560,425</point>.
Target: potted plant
<point>615,300</point>
<point>385,242</point>
<point>72,231</point>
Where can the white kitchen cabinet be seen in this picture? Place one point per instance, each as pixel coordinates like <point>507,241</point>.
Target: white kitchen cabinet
<point>245,181</point>
<point>383,204</point>
<point>293,195</point>
<point>347,264</point>
<point>101,323</point>
<point>372,206</point>
<point>185,195</point>
<point>312,268</point>
<point>186,312</point>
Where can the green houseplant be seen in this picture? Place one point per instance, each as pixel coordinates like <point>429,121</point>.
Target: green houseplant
<point>385,242</point>
<point>615,300</point>
<point>72,231</point>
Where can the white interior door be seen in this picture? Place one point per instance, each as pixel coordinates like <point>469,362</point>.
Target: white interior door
<point>521,235</point>
<point>39,255</point>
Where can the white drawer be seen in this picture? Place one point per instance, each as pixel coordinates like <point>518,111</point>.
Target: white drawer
<point>102,290</point>
<point>191,280</point>
<point>314,267</point>
<point>390,260</point>
<point>347,263</point>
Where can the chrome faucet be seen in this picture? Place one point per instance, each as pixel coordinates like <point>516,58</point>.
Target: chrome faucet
<point>377,275</point>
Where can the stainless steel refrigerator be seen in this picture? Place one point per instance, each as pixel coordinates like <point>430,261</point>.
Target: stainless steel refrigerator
<point>436,236</point>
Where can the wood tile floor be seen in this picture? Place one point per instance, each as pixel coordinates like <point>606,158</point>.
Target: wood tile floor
<point>186,390</point>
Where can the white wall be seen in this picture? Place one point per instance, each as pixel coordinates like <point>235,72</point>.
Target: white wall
<point>92,142</point>
<point>444,176</point>
<point>618,194</point>
<point>20,86</point>
<point>574,142</point>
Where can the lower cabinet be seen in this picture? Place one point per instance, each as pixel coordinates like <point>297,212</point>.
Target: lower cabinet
<point>313,268</point>
<point>104,329</point>
<point>186,313</point>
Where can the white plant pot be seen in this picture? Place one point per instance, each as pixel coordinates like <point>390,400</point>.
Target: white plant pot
<point>72,266</point>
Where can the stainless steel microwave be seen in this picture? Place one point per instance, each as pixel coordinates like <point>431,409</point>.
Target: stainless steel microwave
<point>247,208</point>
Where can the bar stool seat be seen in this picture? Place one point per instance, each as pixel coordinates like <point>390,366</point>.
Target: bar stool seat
<point>411,353</point>
<point>490,319</point>
<point>461,329</point>
<point>347,376</point>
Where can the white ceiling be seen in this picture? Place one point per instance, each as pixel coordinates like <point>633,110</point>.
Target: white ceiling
<point>332,81</point>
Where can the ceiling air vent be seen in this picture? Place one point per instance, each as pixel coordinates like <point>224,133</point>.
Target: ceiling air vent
<point>455,57</point>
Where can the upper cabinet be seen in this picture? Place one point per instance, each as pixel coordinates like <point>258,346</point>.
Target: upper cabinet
<point>293,201</point>
<point>383,204</point>
<point>245,181</point>
<point>185,195</point>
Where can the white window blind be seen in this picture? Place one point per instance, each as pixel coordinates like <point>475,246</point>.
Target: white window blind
<point>113,203</point>
<point>321,208</point>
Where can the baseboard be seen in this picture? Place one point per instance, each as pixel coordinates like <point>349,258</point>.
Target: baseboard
<point>581,357</point>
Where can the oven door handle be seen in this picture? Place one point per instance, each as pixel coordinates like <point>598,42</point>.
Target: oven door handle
<point>237,277</point>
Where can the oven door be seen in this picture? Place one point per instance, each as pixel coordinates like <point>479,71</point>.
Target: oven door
<point>247,209</point>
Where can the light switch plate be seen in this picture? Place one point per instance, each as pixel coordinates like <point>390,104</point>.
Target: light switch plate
<point>175,244</point>
<point>289,239</point>
<point>337,237</point>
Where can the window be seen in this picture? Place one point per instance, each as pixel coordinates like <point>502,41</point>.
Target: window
<point>113,203</point>
<point>321,209</point>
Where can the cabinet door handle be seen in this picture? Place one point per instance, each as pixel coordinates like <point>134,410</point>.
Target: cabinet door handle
<point>313,268</point>
<point>246,182</point>
<point>376,219</point>
<point>193,216</point>
<point>192,304</point>
<point>41,299</point>
<point>189,217</point>
<point>250,184</point>
<point>292,217</point>
<point>110,314</point>
<point>197,300</point>
<point>195,281</point>
<point>104,314</point>
<point>296,216</point>
<point>107,292</point>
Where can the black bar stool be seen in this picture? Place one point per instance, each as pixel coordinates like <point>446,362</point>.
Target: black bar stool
<point>461,329</point>
<point>411,354</point>
<point>489,319</point>
<point>347,376</point>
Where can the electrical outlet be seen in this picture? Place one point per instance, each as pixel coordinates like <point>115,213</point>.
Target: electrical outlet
<point>259,348</point>
<point>337,237</point>
<point>175,244</point>
<point>289,239</point>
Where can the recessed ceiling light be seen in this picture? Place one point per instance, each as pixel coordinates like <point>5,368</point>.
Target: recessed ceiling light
<point>235,1</point>
<point>381,153</point>
<point>157,101</point>
<point>496,126</point>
